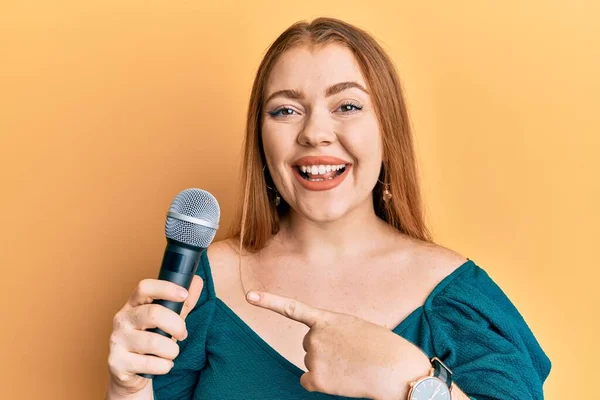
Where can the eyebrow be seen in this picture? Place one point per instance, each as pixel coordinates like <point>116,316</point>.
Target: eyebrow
<point>331,90</point>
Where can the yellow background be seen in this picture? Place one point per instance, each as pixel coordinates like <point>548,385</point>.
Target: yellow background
<point>109,108</point>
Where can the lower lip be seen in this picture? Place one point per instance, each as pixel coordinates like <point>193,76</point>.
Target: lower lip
<point>321,185</point>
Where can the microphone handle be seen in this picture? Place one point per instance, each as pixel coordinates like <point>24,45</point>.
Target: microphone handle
<point>182,258</point>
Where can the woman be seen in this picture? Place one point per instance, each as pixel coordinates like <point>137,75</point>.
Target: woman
<point>355,300</point>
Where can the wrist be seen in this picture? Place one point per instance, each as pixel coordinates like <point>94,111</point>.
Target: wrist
<point>407,370</point>
<point>114,391</point>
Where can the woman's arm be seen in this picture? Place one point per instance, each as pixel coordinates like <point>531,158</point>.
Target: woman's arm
<point>113,393</point>
<point>413,364</point>
<point>458,394</point>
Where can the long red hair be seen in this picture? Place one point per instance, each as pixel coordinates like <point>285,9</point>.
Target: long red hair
<point>257,217</point>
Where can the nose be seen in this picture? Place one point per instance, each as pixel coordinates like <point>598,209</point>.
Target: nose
<point>317,130</point>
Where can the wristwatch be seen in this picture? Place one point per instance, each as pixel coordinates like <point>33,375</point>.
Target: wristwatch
<point>435,386</point>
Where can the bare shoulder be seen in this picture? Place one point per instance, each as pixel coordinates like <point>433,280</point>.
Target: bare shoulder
<point>437,261</point>
<point>222,253</point>
<point>224,260</point>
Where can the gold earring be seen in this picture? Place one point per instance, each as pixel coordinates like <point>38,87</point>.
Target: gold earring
<point>387,195</point>
<point>277,197</point>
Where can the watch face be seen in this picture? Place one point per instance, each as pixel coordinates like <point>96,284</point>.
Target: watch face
<point>430,389</point>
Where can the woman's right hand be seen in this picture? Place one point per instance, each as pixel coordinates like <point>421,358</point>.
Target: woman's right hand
<point>131,345</point>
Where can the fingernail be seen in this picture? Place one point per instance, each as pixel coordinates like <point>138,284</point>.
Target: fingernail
<point>185,334</point>
<point>253,296</point>
<point>183,293</point>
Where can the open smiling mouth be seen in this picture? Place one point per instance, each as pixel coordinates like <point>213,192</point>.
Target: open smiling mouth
<point>320,173</point>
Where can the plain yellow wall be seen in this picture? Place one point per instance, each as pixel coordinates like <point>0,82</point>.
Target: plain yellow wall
<point>109,108</point>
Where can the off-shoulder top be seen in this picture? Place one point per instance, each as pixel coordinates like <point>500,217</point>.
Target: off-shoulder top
<point>467,321</point>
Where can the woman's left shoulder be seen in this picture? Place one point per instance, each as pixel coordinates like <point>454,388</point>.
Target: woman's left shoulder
<point>439,263</point>
<point>475,327</point>
<point>467,296</point>
<point>459,278</point>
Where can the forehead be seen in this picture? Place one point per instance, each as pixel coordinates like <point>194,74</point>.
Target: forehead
<point>314,69</point>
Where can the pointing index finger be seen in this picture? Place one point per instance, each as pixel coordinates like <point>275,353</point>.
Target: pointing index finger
<point>287,307</point>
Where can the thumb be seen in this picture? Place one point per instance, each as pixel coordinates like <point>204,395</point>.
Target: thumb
<point>193,295</point>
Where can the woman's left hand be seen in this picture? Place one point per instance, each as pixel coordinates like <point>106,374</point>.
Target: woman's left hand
<point>348,356</point>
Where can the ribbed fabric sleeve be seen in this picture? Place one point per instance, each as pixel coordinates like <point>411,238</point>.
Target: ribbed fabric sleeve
<point>478,332</point>
<point>180,382</point>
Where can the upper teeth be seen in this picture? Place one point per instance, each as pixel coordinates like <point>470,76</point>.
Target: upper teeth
<point>320,169</point>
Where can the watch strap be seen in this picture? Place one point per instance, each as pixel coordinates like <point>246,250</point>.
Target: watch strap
<point>441,371</point>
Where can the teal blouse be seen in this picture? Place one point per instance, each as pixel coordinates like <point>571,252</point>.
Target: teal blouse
<point>467,321</point>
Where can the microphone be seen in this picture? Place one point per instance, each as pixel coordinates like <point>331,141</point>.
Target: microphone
<point>191,225</point>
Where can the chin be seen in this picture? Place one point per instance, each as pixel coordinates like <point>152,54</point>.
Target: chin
<point>324,212</point>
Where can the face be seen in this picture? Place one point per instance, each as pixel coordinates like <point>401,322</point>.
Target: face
<point>320,133</point>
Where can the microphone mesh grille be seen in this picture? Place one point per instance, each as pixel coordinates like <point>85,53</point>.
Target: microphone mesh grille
<point>195,203</point>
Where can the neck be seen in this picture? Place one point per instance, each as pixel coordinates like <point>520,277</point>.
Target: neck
<point>353,234</point>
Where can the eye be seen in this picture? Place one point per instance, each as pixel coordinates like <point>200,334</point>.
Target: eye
<point>350,108</point>
<point>282,112</point>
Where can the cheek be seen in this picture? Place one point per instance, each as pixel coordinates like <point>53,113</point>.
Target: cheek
<point>269,142</point>
<point>278,144</point>
<point>363,142</point>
